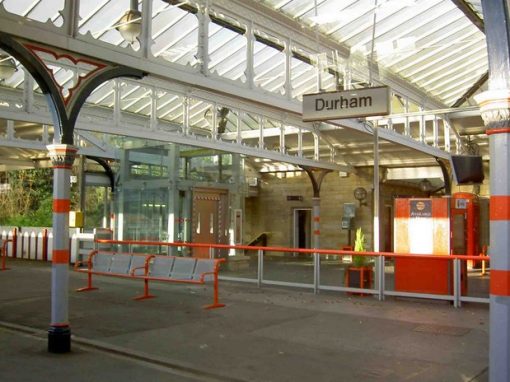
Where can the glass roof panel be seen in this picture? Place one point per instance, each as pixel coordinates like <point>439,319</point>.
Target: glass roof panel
<point>37,10</point>
<point>174,34</point>
<point>410,38</point>
<point>101,17</point>
<point>227,52</point>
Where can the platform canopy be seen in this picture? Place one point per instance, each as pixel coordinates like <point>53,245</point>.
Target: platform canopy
<point>240,68</point>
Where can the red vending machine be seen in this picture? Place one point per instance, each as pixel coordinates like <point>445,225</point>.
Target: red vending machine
<point>434,226</point>
<point>422,226</point>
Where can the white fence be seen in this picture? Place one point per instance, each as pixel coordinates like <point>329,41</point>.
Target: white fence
<point>36,243</point>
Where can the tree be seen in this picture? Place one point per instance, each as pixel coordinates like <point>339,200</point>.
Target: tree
<point>28,200</point>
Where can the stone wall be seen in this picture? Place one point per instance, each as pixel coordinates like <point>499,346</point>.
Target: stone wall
<point>271,212</point>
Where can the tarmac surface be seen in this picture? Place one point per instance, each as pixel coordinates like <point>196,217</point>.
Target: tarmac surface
<point>263,334</point>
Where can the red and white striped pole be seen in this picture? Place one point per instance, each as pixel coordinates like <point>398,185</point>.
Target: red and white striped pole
<point>59,334</point>
<point>495,109</point>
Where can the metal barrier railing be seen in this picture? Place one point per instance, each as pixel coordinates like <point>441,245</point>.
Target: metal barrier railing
<point>317,255</point>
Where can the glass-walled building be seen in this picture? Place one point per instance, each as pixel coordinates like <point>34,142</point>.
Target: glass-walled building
<point>167,192</point>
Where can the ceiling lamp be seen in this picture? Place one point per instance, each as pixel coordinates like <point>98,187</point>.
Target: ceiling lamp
<point>425,185</point>
<point>7,67</point>
<point>130,24</point>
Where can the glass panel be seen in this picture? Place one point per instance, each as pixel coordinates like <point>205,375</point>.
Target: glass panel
<point>389,274</point>
<point>397,104</point>
<point>327,73</point>
<point>16,77</point>
<point>184,222</point>
<point>303,75</point>
<point>169,108</point>
<point>147,163</point>
<point>227,52</point>
<point>250,129</point>
<point>38,10</point>
<point>239,263</point>
<point>225,168</point>
<point>334,270</point>
<point>103,95</point>
<point>28,130</point>
<point>201,117</point>
<point>175,34</point>
<point>102,20</point>
<point>204,168</point>
<point>414,128</point>
<point>288,267</point>
<point>227,123</point>
<point>269,67</point>
<point>145,214</point>
<point>399,126</point>
<point>477,282</point>
<point>95,207</point>
<point>271,134</point>
<point>429,130</point>
<point>135,98</point>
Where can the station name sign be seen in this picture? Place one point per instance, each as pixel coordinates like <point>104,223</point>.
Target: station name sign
<point>346,104</point>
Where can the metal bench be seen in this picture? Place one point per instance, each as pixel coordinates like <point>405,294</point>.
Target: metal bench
<point>149,267</point>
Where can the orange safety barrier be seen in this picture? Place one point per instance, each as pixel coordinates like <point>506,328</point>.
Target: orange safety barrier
<point>308,251</point>
<point>423,258</point>
<point>129,268</point>
<point>4,254</point>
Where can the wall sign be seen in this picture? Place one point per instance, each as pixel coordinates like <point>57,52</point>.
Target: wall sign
<point>421,208</point>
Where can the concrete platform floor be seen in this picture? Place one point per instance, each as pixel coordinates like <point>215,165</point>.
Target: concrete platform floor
<point>267,334</point>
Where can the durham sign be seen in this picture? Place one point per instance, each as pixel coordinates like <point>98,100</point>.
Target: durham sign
<point>346,104</point>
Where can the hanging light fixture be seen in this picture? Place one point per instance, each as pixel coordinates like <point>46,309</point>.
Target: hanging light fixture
<point>130,24</point>
<point>7,67</point>
<point>425,185</point>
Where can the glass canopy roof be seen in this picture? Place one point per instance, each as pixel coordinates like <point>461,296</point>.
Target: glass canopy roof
<point>431,44</point>
<point>434,46</point>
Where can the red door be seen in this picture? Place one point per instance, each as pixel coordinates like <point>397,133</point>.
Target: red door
<point>209,219</point>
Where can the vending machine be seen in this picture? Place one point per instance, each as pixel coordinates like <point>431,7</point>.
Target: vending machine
<point>434,226</point>
<point>422,227</point>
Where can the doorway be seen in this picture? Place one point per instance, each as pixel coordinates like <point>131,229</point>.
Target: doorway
<point>302,228</point>
<point>209,218</point>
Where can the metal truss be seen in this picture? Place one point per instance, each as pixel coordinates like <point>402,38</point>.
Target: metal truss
<point>260,122</point>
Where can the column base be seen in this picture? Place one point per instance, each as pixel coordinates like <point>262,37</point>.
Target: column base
<point>59,339</point>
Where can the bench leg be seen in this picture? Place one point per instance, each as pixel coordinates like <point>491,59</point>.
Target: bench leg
<point>89,285</point>
<point>216,303</point>
<point>146,293</point>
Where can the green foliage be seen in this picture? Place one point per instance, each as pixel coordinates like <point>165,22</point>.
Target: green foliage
<point>359,246</point>
<point>29,201</point>
<point>94,207</point>
<point>359,241</point>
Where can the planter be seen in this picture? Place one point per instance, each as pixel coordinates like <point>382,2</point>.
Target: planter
<point>359,277</point>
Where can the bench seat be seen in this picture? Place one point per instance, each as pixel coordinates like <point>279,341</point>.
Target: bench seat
<point>148,267</point>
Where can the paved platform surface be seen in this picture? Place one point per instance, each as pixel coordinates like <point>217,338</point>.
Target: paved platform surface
<point>266,334</point>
